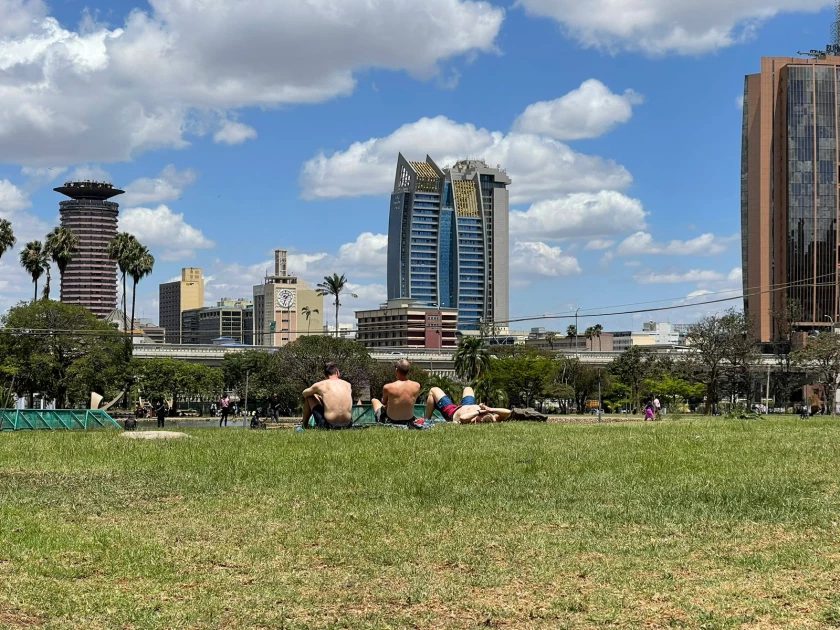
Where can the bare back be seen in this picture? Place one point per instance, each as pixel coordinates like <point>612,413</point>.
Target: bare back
<point>337,398</point>
<point>399,398</point>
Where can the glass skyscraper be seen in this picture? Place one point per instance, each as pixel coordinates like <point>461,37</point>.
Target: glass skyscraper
<point>448,239</point>
<point>789,202</point>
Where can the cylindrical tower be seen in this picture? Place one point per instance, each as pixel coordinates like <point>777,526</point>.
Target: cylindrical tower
<point>90,279</point>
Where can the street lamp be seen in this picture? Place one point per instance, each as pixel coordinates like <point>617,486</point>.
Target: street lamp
<point>576,329</point>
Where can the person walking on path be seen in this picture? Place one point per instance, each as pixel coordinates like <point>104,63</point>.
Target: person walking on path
<point>161,410</point>
<point>273,407</point>
<point>224,404</point>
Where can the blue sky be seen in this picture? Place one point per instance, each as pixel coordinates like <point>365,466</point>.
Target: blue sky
<point>240,128</point>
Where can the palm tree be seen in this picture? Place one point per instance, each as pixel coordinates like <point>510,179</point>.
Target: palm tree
<point>122,249</point>
<point>7,236</point>
<point>472,358</point>
<point>334,285</point>
<point>307,313</point>
<point>139,267</point>
<point>598,329</point>
<point>571,331</point>
<point>34,260</point>
<point>60,246</point>
<point>589,333</point>
<point>551,337</point>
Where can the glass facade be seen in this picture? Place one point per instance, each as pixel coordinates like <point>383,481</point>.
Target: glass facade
<point>745,192</point>
<point>812,171</point>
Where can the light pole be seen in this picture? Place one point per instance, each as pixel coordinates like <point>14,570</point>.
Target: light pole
<point>599,394</point>
<point>576,329</point>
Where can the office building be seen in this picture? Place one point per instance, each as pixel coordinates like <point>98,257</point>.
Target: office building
<point>90,279</point>
<point>789,195</point>
<point>285,308</point>
<point>207,325</point>
<point>176,297</point>
<point>448,239</point>
<point>405,323</point>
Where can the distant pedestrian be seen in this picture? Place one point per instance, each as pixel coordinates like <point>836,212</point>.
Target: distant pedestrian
<point>213,410</point>
<point>657,408</point>
<point>161,410</point>
<point>273,407</point>
<point>649,413</point>
<point>224,404</point>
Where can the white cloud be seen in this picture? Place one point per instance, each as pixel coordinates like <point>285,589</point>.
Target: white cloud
<point>168,185</point>
<point>695,275</point>
<point>579,215</point>
<point>739,101</point>
<point>633,263</point>
<point>367,255</point>
<point>101,94</point>
<point>540,167</point>
<point>12,198</point>
<point>708,244</point>
<point>160,228</point>
<point>539,259</point>
<point>658,27</point>
<point>41,175</point>
<point>91,172</point>
<point>232,132</point>
<point>598,244</point>
<point>587,112</point>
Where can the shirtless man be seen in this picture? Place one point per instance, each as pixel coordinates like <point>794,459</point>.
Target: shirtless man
<point>398,398</point>
<point>468,412</point>
<point>329,401</point>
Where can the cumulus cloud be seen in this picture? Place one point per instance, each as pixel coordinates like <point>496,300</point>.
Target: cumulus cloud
<point>168,185</point>
<point>535,258</point>
<point>367,254</point>
<point>695,275</point>
<point>160,228</point>
<point>579,215</point>
<point>106,94</point>
<point>540,167</point>
<point>704,245</point>
<point>232,132</point>
<point>587,112</point>
<point>12,198</point>
<point>658,27</point>
<point>599,244</point>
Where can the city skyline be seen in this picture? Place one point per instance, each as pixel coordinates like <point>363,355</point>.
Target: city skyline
<point>624,182</point>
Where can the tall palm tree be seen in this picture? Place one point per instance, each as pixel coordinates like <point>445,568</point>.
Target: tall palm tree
<point>598,329</point>
<point>123,249</point>
<point>589,333</point>
<point>34,260</point>
<point>334,285</point>
<point>571,331</point>
<point>307,313</point>
<point>7,236</point>
<point>551,337</point>
<point>61,245</point>
<point>472,359</point>
<point>139,267</point>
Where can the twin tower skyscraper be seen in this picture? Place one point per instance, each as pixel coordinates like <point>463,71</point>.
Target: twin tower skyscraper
<point>448,239</point>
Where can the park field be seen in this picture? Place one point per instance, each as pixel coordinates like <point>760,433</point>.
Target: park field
<point>693,523</point>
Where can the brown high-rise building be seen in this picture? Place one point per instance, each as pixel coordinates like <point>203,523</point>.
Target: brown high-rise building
<point>790,168</point>
<point>176,297</point>
<point>90,279</point>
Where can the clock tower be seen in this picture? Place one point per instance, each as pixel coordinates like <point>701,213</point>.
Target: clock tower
<point>285,308</point>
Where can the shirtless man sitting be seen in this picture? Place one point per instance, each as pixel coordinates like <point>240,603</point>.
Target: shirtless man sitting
<point>329,401</point>
<point>398,398</point>
<point>468,412</point>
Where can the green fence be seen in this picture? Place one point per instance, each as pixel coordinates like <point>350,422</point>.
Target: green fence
<point>55,420</point>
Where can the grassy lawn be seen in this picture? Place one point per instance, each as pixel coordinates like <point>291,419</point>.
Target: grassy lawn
<point>690,524</point>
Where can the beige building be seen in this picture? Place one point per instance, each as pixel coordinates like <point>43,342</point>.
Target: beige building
<point>406,323</point>
<point>281,305</point>
<point>179,296</point>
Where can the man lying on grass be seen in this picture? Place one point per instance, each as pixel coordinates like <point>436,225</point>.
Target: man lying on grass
<point>329,401</point>
<point>468,412</point>
<point>398,398</point>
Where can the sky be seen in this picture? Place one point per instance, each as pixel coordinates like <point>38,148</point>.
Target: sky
<point>236,128</point>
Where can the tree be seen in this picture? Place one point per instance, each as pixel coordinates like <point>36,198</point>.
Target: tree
<point>597,329</point>
<point>7,236</point>
<point>632,367</point>
<point>61,245</point>
<point>821,356</point>
<point>123,249</point>
<point>307,313</point>
<point>523,378</point>
<point>173,379</point>
<point>571,332</point>
<point>471,358</point>
<point>60,349</point>
<point>589,333</point>
<point>334,285</point>
<point>34,260</point>
<point>717,343</point>
<point>140,265</point>
<point>551,337</point>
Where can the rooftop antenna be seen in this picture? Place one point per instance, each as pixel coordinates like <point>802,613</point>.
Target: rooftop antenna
<point>833,48</point>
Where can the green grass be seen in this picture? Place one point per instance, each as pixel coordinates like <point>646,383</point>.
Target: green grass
<point>690,524</point>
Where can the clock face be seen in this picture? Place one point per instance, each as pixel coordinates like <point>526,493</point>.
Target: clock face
<point>285,298</point>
